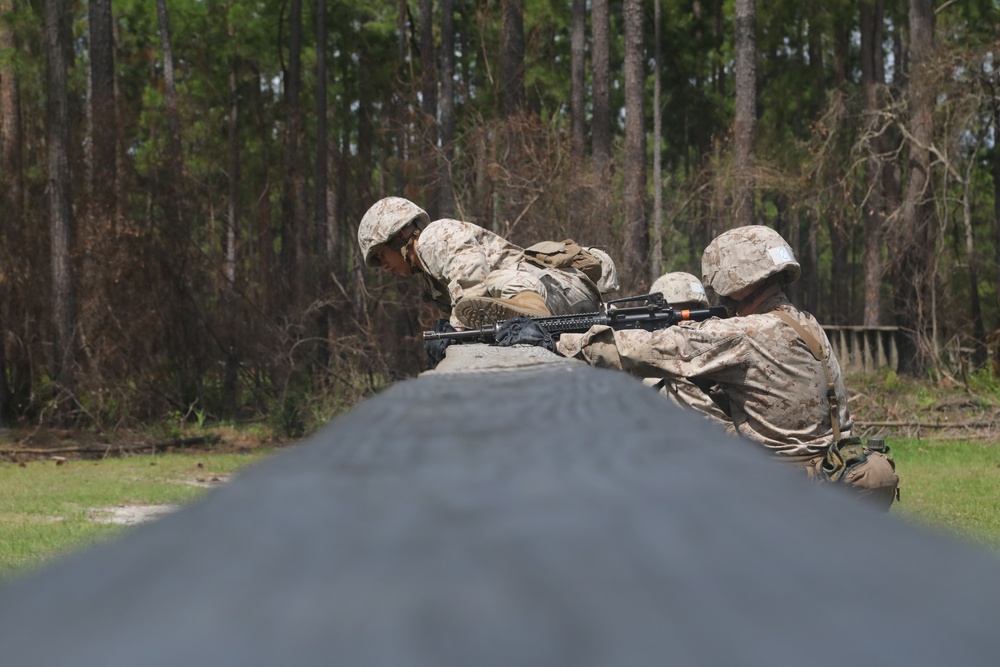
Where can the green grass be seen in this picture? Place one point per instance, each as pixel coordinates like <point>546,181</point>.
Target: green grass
<point>46,509</point>
<point>951,485</point>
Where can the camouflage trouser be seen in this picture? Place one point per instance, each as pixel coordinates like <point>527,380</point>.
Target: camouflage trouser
<point>566,291</point>
<point>865,470</point>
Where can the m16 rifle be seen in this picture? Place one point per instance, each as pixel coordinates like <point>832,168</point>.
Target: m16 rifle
<point>653,313</point>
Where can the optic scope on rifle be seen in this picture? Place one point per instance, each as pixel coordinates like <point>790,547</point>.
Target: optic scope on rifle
<point>653,313</point>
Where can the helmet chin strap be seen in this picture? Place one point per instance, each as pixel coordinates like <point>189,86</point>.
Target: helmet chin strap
<point>409,250</point>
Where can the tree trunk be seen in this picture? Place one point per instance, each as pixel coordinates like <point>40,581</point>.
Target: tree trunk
<point>11,127</point>
<point>366,128</point>
<point>837,307</point>
<point>11,134</point>
<point>172,196</point>
<point>447,194</point>
<point>60,203</point>
<point>635,229</point>
<point>322,157</point>
<point>837,222</point>
<point>812,253</point>
<point>978,328</point>
<point>365,156</point>
<point>104,140</point>
<point>179,302</point>
<point>996,184</point>
<point>231,328</point>
<point>12,168</point>
<point>512,57</point>
<point>745,120</point>
<point>657,250</point>
<point>337,247</point>
<point>291,218</point>
<point>718,31</point>
<point>914,241</point>
<point>578,57</point>
<point>428,105</point>
<point>509,200</point>
<point>318,249</point>
<point>600,61</point>
<point>873,211</point>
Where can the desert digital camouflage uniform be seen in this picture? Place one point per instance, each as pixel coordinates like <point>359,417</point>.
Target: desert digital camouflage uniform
<point>685,395</point>
<point>776,388</point>
<point>683,290</point>
<point>775,372</point>
<point>461,259</point>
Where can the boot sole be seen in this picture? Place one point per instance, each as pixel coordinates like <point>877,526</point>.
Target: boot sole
<point>476,312</point>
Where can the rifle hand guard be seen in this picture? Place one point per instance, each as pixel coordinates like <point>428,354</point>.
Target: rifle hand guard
<point>653,314</point>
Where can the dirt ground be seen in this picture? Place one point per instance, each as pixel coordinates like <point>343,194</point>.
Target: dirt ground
<point>130,515</point>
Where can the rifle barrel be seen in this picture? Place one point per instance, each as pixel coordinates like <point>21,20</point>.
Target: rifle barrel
<point>485,333</point>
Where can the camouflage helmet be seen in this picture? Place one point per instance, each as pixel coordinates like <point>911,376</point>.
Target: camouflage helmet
<point>383,221</point>
<point>745,256</point>
<point>680,287</point>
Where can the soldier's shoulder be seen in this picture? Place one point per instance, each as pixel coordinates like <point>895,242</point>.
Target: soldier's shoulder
<point>448,227</point>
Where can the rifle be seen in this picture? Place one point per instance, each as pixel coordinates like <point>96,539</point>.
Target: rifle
<point>654,313</point>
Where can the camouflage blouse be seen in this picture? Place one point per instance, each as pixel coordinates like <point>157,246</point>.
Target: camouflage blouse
<point>776,388</point>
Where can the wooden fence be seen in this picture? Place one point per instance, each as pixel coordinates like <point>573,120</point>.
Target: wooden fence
<point>864,349</point>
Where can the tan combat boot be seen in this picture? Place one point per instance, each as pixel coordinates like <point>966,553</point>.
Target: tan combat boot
<point>475,311</point>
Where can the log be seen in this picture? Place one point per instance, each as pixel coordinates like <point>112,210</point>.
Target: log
<point>514,510</point>
<point>108,449</point>
<point>902,423</point>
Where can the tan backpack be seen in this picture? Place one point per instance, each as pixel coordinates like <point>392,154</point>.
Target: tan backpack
<point>565,254</point>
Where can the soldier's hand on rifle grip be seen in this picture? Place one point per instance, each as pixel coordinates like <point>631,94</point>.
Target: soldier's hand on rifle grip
<point>436,349</point>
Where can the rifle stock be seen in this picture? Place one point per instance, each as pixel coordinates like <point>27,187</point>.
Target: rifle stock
<point>654,313</point>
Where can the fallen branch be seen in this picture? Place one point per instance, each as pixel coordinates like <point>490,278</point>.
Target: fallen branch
<point>106,449</point>
<point>908,424</point>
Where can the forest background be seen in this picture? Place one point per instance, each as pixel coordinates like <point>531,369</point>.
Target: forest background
<point>181,185</point>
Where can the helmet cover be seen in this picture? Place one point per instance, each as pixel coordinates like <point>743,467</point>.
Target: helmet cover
<point>384,220</point>
<point>745,256</point>
<point>680,287</point>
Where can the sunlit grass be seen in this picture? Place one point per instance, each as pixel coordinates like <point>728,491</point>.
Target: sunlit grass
<point>47,509</point>
<point>951,485</point>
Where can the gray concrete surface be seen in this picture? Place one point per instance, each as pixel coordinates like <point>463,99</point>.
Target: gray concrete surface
<point>545,514</point>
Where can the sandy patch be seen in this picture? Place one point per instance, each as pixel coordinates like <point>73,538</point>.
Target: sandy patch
<point>129,515</point>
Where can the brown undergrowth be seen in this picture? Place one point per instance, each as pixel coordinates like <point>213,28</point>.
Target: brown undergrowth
<point>890,405</point>
<point>22,444</point>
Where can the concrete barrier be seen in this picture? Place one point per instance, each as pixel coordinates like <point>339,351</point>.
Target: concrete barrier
<point>514,509</point>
